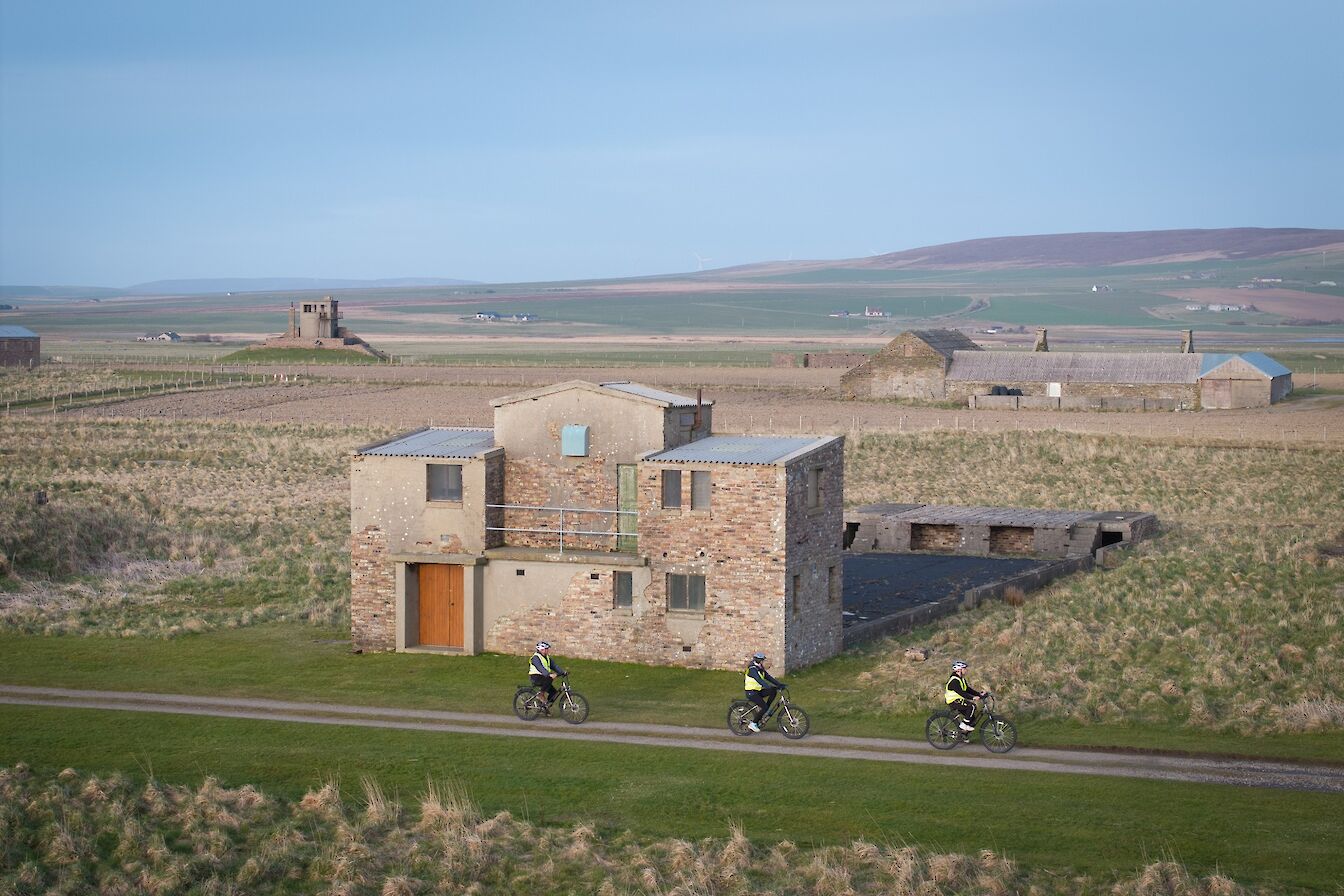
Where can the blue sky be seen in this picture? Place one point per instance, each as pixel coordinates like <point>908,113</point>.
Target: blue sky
<point>508,141</point>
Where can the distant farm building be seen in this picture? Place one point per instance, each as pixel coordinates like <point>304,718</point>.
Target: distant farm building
<point>936,364</point>
<point>19,347</point>
<point>165,336</point>
<point>913,365</point>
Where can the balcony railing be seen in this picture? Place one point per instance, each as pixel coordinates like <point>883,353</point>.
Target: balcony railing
<point>624,541</point>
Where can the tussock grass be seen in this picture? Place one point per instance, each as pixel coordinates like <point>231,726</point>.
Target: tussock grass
<point>1229,621</point>
<point>161,528</point>
<point>75,834</point>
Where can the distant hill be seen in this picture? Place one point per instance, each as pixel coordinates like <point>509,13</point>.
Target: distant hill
<point>278,284</point>
<point>56,292</point>
<point>1101,249</point>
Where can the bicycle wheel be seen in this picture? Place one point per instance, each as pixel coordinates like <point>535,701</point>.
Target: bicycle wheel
<point>573,707</point>
<point>525,704</point>
<point>793,722</point>
<point>941,730</point>
<point>739,714</point>
<point>998,734</point>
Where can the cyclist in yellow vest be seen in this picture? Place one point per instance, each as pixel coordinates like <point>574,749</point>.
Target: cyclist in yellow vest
<point>761,688</point>
<point>542,671</point>
<point>961,697</point>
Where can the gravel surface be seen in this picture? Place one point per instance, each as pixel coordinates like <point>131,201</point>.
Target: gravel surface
<point>1238,772</point>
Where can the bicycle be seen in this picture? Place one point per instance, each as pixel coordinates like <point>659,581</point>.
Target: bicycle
<point>793,722</point>
<point>529,702</point>
<point>997,733</point>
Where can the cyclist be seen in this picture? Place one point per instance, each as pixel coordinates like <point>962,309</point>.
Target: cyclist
<point>542,671</point>
<point>961,697</point>
<point>761,688</point>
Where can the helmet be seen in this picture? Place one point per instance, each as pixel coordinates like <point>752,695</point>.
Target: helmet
<point>958,665</point>
<point>758,656</point>
<point>543,645</point>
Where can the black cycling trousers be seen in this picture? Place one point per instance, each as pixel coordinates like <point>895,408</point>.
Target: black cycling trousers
<point>547,686</point>
<point>761,700</point>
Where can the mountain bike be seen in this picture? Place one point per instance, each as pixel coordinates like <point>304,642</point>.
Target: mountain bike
<point>997,733</point>
<point>793,722</point>
<point>529,702</point>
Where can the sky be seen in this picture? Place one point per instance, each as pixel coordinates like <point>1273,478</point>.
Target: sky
<point>509,141</point>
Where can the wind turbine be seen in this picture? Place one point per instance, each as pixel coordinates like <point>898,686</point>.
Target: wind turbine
<point>700,261</point>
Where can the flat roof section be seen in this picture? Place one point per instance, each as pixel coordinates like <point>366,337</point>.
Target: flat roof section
<point>879,584</point>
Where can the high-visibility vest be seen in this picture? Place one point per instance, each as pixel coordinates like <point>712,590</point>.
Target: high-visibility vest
<point>545,664</point>
<point>753,684</point>
<point>952,696</point>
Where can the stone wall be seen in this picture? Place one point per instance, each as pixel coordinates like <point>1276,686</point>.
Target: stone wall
<point>833,360</point>
<point>814,561</point>
<point>372,591</point>
<point>1079,396</point>
<point>907,367</point>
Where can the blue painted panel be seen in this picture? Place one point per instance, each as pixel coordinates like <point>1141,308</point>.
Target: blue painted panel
<point>574,440</point>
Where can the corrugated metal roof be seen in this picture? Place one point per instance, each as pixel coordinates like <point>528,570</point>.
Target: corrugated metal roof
<point>739,449</point>
<point>436,442</point>
<point>14,332</point>
<point>1261,362</point>
<point>1074,367</point>
<point>668,398</point>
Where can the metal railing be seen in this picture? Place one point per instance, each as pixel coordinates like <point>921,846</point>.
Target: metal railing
<point>560,530</point>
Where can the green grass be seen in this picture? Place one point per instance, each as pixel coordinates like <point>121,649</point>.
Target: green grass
<point>1093,825</point>
<point>298,662</point>
<point>298,356</point>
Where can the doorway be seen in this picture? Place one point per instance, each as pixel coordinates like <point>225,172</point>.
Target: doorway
<point>440,604</point>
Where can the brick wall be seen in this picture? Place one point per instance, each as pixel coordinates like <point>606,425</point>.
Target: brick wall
<point>585,482</point>
<point>935,537</point>
<point>372,591</point>
<point>1019,540</point>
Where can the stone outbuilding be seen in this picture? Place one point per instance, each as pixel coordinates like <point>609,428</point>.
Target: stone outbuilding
<point>19,347</point>
<point>913,365</point>
<point>947,365</point>
<point>608,519</point>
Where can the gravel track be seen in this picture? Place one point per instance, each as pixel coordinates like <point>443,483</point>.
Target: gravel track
<point>1236,772</point>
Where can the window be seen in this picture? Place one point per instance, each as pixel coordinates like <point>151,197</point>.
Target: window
<point>685,592</point>
<point>797,591</point>
<point>700,489</point>
<point>814,487</point>
<point>671,488</point>
<point>444,482</point>
<point>624,591</point>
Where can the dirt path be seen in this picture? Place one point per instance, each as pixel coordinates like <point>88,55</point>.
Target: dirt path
<point>1238,772</point>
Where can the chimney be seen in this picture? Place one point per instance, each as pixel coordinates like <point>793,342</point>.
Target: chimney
<point>1041,344</point>
<point>1188,343</point>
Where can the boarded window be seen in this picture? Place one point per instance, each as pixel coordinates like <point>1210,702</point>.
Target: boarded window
<point>443,482</point>
<point>624,591</point>
<point>671,488</point>
<point>700,484</point>
<point>814,487</point>
<point>797,594</point>
<point>833,584</point>
<point>685,592</point>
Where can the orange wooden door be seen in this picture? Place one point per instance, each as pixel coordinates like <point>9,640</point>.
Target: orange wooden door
<point>440,604</point>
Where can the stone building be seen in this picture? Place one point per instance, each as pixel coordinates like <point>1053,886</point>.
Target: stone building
<point>19,347</point>
<point>607,518</point>
<point>946,365</point>
<point>913,365</point>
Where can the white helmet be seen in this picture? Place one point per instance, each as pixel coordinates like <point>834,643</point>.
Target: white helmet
<point>958,665</point>
<point>543,645</point>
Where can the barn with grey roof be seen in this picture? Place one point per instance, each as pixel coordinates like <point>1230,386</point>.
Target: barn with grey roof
<point>928,364</point>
